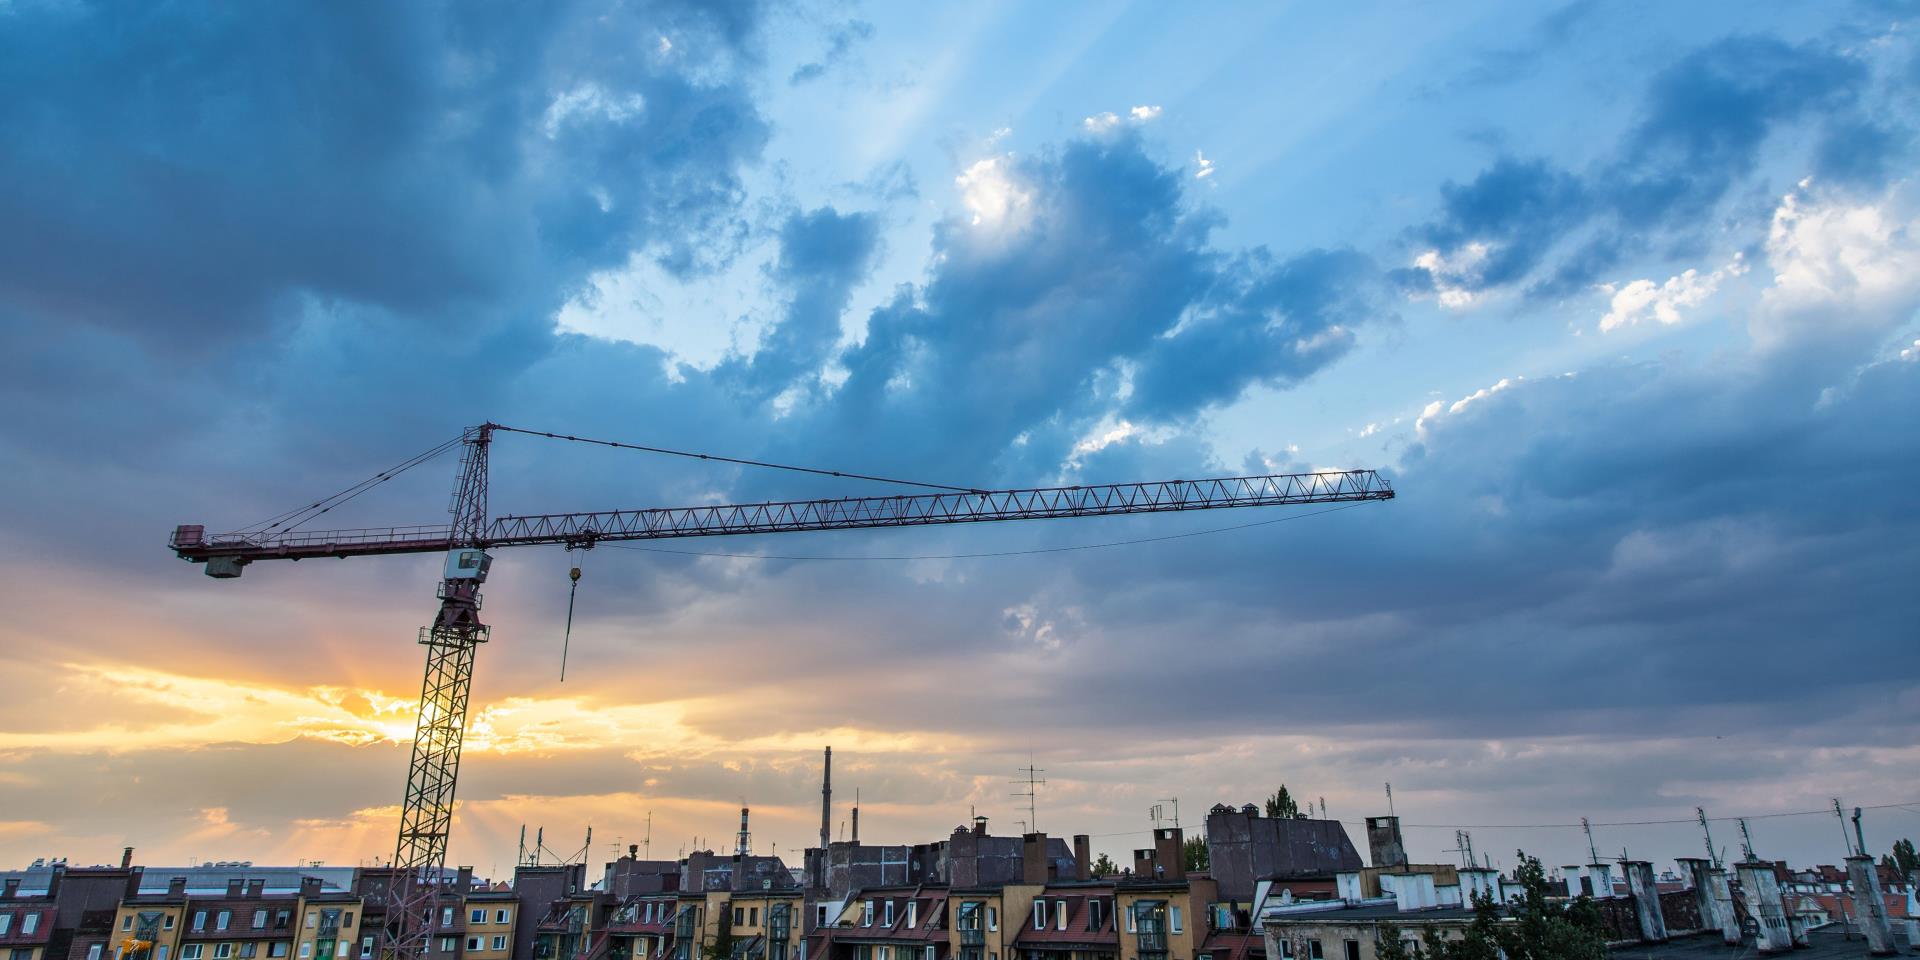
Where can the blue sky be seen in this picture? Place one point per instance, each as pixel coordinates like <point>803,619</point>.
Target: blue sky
<point>1621,295</point>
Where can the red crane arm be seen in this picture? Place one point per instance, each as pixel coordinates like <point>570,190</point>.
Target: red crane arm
<point>583,529</point>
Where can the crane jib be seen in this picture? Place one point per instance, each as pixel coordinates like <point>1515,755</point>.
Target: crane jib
<point>660,523</point>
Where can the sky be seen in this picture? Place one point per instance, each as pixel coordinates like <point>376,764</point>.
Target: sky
<point>1620,296</point>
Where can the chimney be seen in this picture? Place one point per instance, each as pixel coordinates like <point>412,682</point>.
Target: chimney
<point>745,844</point>
<point>633,851</point>
<point>1169,851</point>
<point>1082,857</point>
<point>826,805</point>
<point>126,858</point>
<point>856,815</point>
<point>236,887</point>
<point>12,887</point>
<point>1033,858</point>
<point>256,887</point>
<point>309,886</point>
<point>176,886</point>
<point>979,826</point>
<point>1143,863</point>
<point>1383,842</point>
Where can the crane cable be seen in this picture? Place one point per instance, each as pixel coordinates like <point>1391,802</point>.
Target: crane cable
<point>714,457</point>
<point>285,522</point>
<point>566,640</point>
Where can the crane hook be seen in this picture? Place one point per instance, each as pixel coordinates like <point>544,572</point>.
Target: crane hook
<point>572,590</point>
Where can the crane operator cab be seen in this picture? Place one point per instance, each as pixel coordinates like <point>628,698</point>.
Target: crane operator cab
<point>468,563</point>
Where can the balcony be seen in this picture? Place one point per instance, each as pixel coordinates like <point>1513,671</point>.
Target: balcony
<point>1155,942</point>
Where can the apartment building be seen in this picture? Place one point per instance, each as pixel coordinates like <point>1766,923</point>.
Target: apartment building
<point>26,927</point>
<point>888,923</point>
<point>491,917</point>
<point>642,926</point>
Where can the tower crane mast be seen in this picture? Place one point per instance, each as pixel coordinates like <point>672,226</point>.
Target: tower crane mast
<point>457,631</point>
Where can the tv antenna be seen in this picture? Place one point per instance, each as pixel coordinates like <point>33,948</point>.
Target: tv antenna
<point>1033,783</point>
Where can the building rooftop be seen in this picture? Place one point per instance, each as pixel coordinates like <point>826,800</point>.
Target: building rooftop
<point>1823,944</point>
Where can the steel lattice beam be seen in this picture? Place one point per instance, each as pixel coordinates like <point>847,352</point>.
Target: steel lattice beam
<point>799,515</point>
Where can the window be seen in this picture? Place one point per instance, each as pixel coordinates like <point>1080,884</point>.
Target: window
<point>820,920</point>
<point>277,949</point>
<point>739,916</point>
<point>500,916</point>
<point>473,943</point>
<point>190,952</point>
<point>1314,952</point>
<point>1173,919</point>
<point>222,951</point>
<point>1286,949</point>
<point>347,918</point>
<point>313,918</point>
<point>161,954</point>
<point>448,943</point>
<point>478,915</point>
<point>753,915</point>
<point>913,914</point>
<point>249,950</point>
<point>866,914</point>
<point>446,917</point>
<point>199,923</point>
<point>499,943</point>
<point>126,923</point>
<point>166,923</point>
<point>6,922</point>
<point>306,950</point>
<point>366,946</point>
<point>1039,914</point>
<point>222,919</point>
<point>1060,914</point>
<point>259,919</point>
<point>888,915</point>
<point>1353,950</point>
<point>1130,919</point>
<point>993,921</point>
<point>93,952</point>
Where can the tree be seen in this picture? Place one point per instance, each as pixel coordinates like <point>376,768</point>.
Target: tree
<point>722,946</point>
<point>1282,804</point>
<point>1904,858</point>
<point>1194,852</point>
<point>1534,928</point>
<point>1103,866</point>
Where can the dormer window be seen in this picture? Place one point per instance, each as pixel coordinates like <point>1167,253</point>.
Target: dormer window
<point>913,914</point>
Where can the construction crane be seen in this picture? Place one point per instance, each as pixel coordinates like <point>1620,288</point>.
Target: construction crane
<point>427,807</point>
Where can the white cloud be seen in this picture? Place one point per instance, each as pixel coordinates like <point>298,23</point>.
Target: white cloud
<point>993,195</point>
<point>1144,114</point>
<point>589,101</point>
<point>1911,353</point>
<point>1438,408</point>
<point>1101,122</point>
<point>1454,276</point>
<point>1838,267</point>
<point>1642,300</point>
<point>1205,165</point>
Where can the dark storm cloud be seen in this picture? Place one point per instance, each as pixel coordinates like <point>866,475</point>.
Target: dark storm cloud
<point>1701,128</point>
<point>180,173</point>
<point>824,255</point>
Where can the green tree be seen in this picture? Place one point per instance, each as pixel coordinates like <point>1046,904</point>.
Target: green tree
<point>1194,851</point>
<point>1103,866</point>
<point>1532,928</point>
<point>1904,859</point>
<point>1282,804</point>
